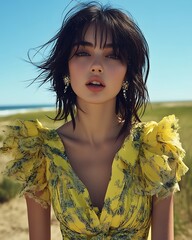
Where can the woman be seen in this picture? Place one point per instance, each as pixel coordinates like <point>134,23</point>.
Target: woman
<point>106,174</point>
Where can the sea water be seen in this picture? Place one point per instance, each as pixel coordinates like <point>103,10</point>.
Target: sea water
<point>14,109</point>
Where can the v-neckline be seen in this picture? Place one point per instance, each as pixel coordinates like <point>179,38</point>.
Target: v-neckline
<point>99,213</point>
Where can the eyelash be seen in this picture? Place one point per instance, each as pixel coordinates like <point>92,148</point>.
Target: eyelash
<point>113,56</point>
<point>82,54</point>
<point>85,54</point>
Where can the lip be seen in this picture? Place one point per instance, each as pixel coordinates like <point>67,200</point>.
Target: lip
<point>97,79</point>
<point>95,89</point>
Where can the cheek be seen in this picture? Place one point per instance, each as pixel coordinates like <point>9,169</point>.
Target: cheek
<point>77,74</point>
<point>72,66</point>
<point>77,68</point>
<point>123,72</point>
<point>118,72</point>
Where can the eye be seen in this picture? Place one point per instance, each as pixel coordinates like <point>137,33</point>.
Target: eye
<point>82,54</point>
<point>113,56</point>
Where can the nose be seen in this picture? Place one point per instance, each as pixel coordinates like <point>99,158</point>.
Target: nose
<point>96,68</point>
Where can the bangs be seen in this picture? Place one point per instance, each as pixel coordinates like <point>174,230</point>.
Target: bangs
<point>106,27</point>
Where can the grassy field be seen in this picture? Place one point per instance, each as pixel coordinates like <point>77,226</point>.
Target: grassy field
<point>155,111</point>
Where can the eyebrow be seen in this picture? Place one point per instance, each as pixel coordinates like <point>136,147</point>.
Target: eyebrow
<point>89,44</point>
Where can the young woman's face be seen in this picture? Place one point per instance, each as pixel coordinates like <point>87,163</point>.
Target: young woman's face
<point>96,73</point>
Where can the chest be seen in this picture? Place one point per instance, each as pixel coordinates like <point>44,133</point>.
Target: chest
<point>93,166</point>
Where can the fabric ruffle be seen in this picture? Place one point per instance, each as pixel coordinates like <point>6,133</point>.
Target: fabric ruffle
<point>152,153</point>
<point>24,144</point>
<point>160,162</point>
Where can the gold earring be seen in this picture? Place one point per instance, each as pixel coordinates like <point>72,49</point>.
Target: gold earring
<point>125,88</point>
<point>66,80</point>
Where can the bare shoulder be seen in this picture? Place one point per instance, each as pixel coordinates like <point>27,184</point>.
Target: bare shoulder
<point>66,132</point>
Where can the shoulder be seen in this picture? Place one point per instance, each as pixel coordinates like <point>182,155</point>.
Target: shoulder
<point>154,134</point>
<point>30,130</point>
<point>159,165</point>
<point>28,146</point>
<point>165,129</point>
<point>66,132</point>
<point>25,141</point>
<point>167,125</point>
<point>162,138</point>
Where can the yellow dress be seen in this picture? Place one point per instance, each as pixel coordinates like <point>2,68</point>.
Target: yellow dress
<point>150,162</point>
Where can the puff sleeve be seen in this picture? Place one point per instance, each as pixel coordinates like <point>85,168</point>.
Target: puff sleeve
<point>28,165</point>
<point>161,158</point>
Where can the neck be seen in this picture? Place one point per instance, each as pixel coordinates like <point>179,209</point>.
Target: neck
<point>97,123</point>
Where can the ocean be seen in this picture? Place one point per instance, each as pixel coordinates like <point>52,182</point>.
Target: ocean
<point>14,109</point>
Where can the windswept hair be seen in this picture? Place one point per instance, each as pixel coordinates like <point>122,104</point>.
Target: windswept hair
<point>128,43</point>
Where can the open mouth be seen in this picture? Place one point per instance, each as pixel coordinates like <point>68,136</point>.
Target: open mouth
<point>95,84</point>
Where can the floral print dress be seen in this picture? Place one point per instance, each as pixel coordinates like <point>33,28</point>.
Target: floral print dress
<point>150,162</point>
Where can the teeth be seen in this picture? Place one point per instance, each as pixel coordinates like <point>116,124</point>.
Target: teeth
<point>96,83</point>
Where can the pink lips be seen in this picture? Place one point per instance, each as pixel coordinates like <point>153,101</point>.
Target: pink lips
<point>95,79</point>
<point>95,84</point>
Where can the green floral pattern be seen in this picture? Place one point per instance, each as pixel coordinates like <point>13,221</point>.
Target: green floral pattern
<point>150,162</point>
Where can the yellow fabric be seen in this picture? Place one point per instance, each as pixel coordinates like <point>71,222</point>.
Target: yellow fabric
<point>150,162</point>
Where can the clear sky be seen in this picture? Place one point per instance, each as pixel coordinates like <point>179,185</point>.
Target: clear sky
<point>166,24</point>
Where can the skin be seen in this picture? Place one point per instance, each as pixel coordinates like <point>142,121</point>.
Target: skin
<point>39,220</point>
<point>95,135</point>
<point>92,61</point>
<point>162,219</point>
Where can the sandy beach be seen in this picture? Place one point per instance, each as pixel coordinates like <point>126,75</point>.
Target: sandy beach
<point>14,223</point>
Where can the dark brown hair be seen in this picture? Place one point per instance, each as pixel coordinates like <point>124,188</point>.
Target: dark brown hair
<point>127,40</point>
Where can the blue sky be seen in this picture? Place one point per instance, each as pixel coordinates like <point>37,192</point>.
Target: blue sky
<point>167,26</point>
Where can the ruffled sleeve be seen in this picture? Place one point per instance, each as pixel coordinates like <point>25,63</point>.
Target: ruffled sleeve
<point>24,147</point>
<point>160,159</point>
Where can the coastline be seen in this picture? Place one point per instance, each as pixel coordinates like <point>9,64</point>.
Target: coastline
<point>22,109</point>
<point>9,110</point>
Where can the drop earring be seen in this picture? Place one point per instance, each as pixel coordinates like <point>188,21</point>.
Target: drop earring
<point>66,80</point>
<point>125,88</point>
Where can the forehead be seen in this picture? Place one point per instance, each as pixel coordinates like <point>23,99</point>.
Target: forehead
<point>97,36</point>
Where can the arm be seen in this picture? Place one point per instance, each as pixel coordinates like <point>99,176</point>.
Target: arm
<point>162,219</point>
<point>38,220</point>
